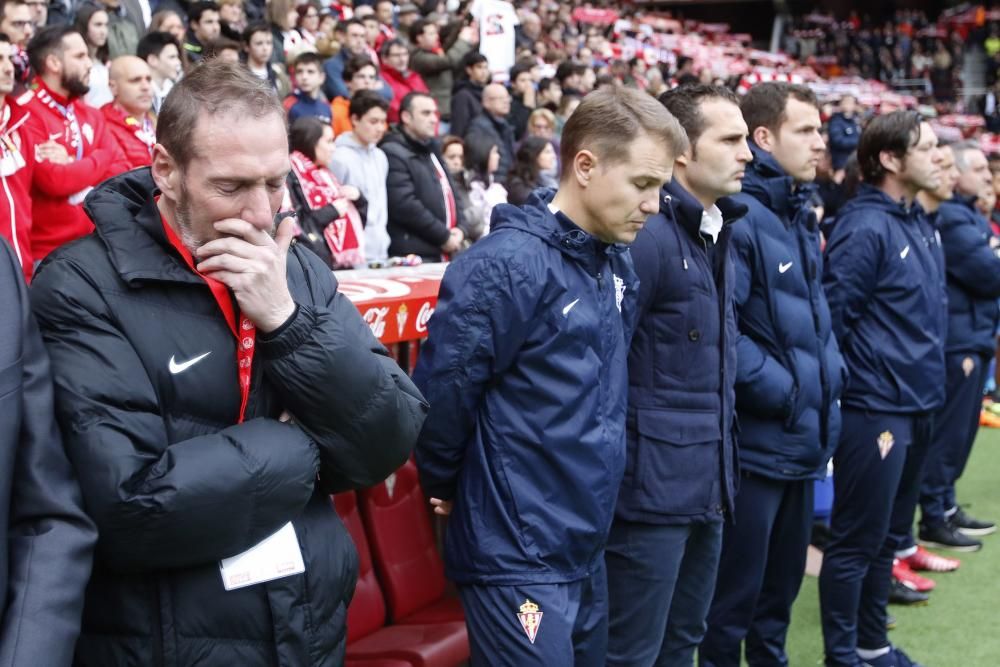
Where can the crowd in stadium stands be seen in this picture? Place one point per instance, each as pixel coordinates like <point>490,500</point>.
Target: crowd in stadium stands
<point>907,47</point>
<point>414,132</point>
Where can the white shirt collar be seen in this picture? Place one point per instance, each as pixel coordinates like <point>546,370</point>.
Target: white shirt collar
<point>711,222</point>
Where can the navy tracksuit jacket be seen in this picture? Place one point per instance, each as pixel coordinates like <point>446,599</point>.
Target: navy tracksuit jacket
<point>885,283</point>
<point>973,274</point>
<point>526,373</point>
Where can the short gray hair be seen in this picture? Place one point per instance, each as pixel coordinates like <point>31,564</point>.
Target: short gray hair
<point>211,88</point>
<point>959,149</point>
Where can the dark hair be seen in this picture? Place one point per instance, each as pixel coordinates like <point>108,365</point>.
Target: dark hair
<point>682,61</point>
<point>684,102</point>
<point>212,88</point>
<point>253,29</point>
<point>407,103</point>
<point>450,140</point>
<point>568,68</point>
<point>304,8</point>
<point>417,29</point>
<point>342,25</point>
<point>3,36</point>
<point>546,83</point>
<point>384,51</point>
<point>198,8</point>
<point>609,120</point>
<point>308,58</point>
<point>765,104</point>
<point>477,155</point>
<point>46,42</point>
<point>470,59</point>
<point>525,164</point>
<point>218,45</point>
<point>82,25</point>
<point>357,63</point>
<point>364,101</point>
<point>895,132</point>
<point>154,43</point>
<point>520,68</point>
<point>304,134</point>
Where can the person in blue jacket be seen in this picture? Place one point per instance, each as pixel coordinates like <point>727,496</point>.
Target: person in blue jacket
<point>789,376</point>
<point>972,258</point>
<point>526,372</point>
<point>844,132</point>
<point>663,551</point>
<point>885,283</point>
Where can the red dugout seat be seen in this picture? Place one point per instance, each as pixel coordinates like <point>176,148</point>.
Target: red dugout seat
<point>370,643</point>
<point>406,556</point>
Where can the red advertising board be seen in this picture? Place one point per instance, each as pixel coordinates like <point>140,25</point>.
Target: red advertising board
<point>397,302</point>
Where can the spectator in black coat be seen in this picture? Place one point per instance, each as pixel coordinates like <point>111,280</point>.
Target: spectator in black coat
<point>493,123</point>
<point>467,98</point>
<point>535,168</point>
<point>424,217</point>
<point>523,97</point>
<point>48,543</point>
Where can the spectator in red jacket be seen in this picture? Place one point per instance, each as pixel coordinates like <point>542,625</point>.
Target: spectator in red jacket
<point>128,115</point>
<point>397,73</point>
<point>57,112</point>
<point>16,161</point>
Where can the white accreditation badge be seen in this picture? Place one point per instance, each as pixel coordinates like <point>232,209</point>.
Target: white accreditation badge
<point>275,557</point>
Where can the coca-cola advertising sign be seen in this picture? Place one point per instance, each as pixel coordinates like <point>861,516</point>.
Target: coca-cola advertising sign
<point>396,303</point>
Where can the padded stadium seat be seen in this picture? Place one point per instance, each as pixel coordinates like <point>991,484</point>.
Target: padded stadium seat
<point>368,639</point>
<point>402,540</point>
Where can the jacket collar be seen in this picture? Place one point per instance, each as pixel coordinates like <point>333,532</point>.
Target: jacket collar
<point>769,184</point>
<point>556,229</point>
<point>128,221</point>
<point>681,205</point>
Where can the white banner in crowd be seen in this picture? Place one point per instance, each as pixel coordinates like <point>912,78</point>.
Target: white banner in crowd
<point>497,20</point>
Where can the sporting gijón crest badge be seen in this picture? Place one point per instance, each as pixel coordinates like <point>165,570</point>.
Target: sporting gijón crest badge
<point>531,618</point>
<point>885,443</point>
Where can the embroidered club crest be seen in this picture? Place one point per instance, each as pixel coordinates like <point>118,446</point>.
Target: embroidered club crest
<point>401,316</point>
<point>885,443</point>
<point>968,365</point>
<point>390,485</point>
<point>531,618</point>
<point>619,292</point>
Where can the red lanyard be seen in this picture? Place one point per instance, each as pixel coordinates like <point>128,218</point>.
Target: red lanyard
<point>246,334</point>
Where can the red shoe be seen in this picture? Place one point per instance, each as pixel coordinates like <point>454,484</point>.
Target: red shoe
<point>902,572</point>
<point>924,560</point>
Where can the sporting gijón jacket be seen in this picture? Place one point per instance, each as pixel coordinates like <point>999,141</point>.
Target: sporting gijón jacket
<point>17,161</point>
<point>147,396</point>
<point>57,190</point>
<point>885,283</point>
<point>790,370</point>
<point>525,370</point>
<point>972,261</point>
<point>682,369</point>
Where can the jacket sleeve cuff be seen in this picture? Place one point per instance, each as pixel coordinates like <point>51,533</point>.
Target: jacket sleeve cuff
<point>287,338</point>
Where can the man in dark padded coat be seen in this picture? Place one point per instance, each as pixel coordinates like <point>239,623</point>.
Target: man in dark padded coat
<point>48,540</point>
<point>214,389</point>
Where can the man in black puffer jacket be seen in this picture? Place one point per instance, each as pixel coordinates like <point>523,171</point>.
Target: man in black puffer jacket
<point>214,389</point>
<point>424,218</point>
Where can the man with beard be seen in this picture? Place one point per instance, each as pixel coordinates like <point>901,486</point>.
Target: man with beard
<point>56,111</point>
<point>215,388</point>
<point>885,283</point>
